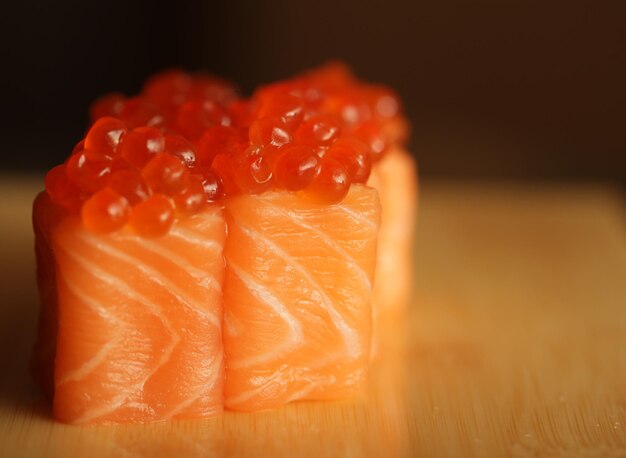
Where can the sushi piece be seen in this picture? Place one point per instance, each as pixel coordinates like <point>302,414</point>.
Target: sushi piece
<point>130,274</point>
<point>297,294</point>
<point>368,120</point>
<point>395,178</point>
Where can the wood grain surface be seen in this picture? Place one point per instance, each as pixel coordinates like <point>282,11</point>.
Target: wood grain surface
<point>515,343</point>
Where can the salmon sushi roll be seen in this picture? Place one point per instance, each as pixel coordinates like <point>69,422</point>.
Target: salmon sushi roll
<point>297,297</point>
<point>301,259</point>
<point>129,239</point>
<point>130,273</point>
<point>395,179</point>
<point>372,133</point>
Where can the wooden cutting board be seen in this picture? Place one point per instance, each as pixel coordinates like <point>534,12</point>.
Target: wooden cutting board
<point>515,344</point>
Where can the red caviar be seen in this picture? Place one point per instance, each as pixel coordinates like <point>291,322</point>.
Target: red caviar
<point>196,116</point>
<point>354,155</point>
<point>105,211</point>
<point>192,196</point>
<point>211,183</point>
<point>295,167</point>
<point>331,184</point>
<point>130,184</point>
<point>61,190</point>
<point>253,172</point>
<point>269,131</point>
<point>321,130</point>
<point>141,144</point>
<point>287,107</point>
<point>138,112</point>
<point>153,217</point>
<point>104,136</point>
<point>218,140</point>
<point>188,139</point>
<point>88,169</point>
<point>182,148</point>
<point>165,174</point>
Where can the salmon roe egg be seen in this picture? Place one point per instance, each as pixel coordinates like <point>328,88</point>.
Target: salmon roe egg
<point>209,87</point>
<point>79,147</point>
<point>153,217</point>
<point>192,197</point>
<point>196,116</point>
<point>218,140</point>
<point>321,130</point>
<point>240,113</point>
<point>386,103</point>
<point>61,190</point>
<point>138,112</point>
<point>140,144</point>
<point>289,108</point>
<point>129,184</point>
<point>211,183</point>
<point>354,155</point>
<point>268,131</point>
<point>88,169</point>
<point>254,173</point>
<point>295,167</point>
<point>181,148</point>
<point>331,184</point>
<point>104,136</point>
<point>105,211</point>
<point>165,174</point>
<point>224,168</point>
<point>372,134</point>
<point>169,88</point>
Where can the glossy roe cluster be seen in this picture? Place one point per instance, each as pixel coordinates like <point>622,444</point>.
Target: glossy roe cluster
<point>188,140</point>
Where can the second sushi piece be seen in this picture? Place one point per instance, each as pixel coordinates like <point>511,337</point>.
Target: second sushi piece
<point>297,295</point>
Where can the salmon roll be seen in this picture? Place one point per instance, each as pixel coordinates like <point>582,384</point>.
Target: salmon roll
<point>130,273</point>
<point>297,297</point>
<point>362,124</point>
<point>395,179</point>
<point>301,253</point>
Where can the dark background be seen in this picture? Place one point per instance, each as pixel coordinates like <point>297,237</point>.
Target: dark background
<point>494,88</point>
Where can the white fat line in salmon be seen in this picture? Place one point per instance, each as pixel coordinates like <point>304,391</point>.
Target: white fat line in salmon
<point>202,390</point>
<point>264,295</point>
<point>328,241</point>
<point>91,364</point>
<point>351,339</point>
<point>195,238</point>
<point>125,289</point>
<point>204,278</point>
<point>153,275</point>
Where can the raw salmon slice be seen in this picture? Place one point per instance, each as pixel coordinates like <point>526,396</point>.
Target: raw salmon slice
<point>139,319</point>
<point>395,178</point>
<point>297,295</point>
